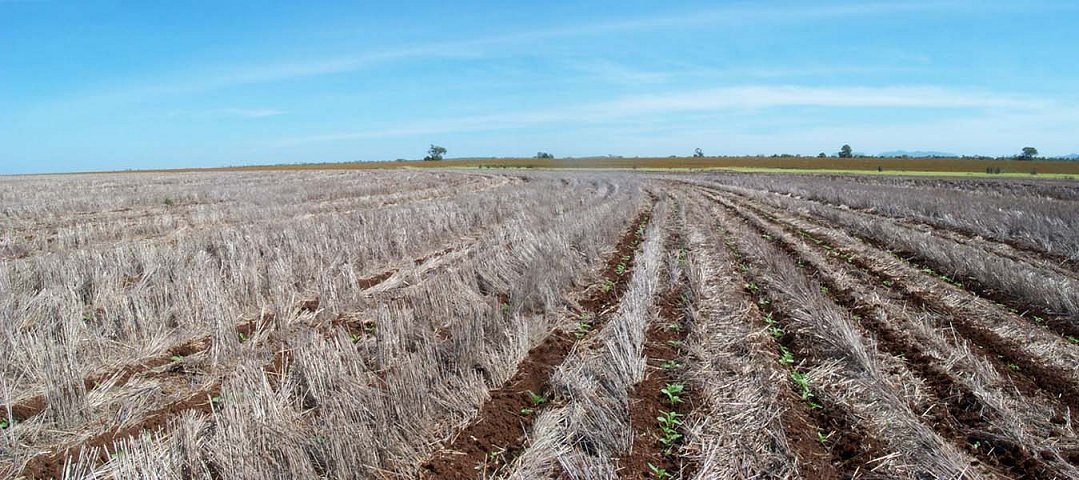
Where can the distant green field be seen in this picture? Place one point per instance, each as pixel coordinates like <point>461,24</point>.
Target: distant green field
<point>886,166</point>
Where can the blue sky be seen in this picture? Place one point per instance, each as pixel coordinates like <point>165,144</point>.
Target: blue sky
<point>93,85</point>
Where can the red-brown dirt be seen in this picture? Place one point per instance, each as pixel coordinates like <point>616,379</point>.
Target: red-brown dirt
<point>502,422</point>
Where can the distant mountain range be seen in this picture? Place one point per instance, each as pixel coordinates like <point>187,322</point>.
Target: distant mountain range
<point>916,153</point>
<point>1074,156</point>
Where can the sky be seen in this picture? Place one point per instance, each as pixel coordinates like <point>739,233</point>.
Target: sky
<point>112,85</point>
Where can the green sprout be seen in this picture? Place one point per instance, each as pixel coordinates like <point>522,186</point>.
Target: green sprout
<point>176,358</point>
<point>822,438</point>
<point>785,356</point>
<point>670,365</point>
<point>4,424</point>
<point>752,286</point>
<point>1014,366</point>
<point>536,399</point>
<point>607,285</point>
<point>672,391</point>
<point>669,420</point>
<point>242,337</point>
<point>1073,339</point>
<point>802,380</point>
<point>775,331</point>
<point>658,472</point>
<point>582,329</point>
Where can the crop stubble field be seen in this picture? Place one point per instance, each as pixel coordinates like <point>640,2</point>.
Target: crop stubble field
<point>520,325</point>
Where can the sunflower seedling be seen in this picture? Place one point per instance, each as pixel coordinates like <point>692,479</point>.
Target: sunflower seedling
<point>822,438</point>
<point>785,356</point>
<point>673,391</point>
<point>775,331</point>
<point>607,285</point>
<point>802,381</point>
<point>536,399</point>
<point>670,365</point>
<point>658,472</point>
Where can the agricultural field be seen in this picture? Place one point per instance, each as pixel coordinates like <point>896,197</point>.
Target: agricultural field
<point>525,324</point>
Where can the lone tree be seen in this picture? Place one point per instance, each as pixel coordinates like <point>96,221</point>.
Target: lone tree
<point>1028,153</point>
<point>846,152</point>
<point>698,153</point>
<point>544,155</point>
<point>822,155</point>
<point>435,153</point>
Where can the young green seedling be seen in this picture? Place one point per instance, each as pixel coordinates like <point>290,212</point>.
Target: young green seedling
<point>822,438</point>
<point>802,380</point>
<point>673,391</point>
<point>658,472</point>
<point>775,331</point>
<point>670,365</point>
<point>785,356</point>
<point>536,399</point>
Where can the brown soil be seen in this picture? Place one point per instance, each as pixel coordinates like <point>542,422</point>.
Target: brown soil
<point>502,422</point>
<point>646,401</point>
<point>51,464</point>
<point>365,283</point>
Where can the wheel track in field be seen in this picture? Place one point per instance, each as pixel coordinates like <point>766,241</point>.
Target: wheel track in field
<point>500,425</point>
<point>1062,324</point>
<point>1053,376</point>
<point>961,420</point>
<point>850,447</point>
<point>994,245</point>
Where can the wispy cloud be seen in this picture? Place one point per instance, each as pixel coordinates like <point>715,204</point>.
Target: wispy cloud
<point>211,79</point>
<point>741,98</point>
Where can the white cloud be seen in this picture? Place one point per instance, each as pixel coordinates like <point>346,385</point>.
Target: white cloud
<point>211,79</point>
<point>741,98</point>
